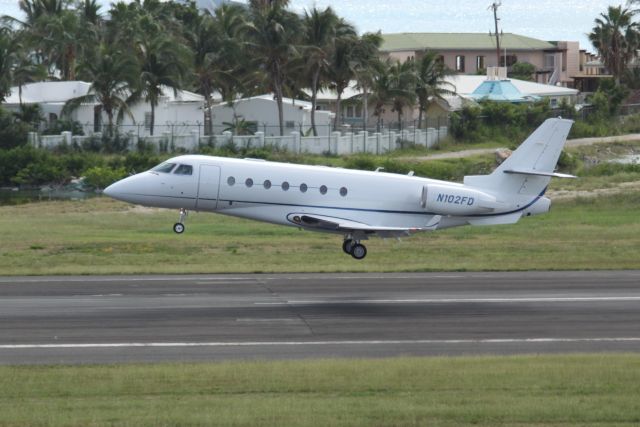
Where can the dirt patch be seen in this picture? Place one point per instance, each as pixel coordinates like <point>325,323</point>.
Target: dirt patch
<point>572,194</point>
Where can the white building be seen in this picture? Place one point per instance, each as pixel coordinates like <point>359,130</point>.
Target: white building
<point>177,113</point>
<point>262,114</point>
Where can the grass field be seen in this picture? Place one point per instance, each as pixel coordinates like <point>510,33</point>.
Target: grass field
<point>101,236</point>
<point>584,390</point>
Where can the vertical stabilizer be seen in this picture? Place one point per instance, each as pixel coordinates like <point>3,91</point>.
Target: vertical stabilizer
<point>530,167</point>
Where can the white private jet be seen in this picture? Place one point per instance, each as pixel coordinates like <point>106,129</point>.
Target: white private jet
<point>356,204</point>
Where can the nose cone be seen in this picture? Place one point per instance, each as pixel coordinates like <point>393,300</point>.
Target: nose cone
<point>133,189</point>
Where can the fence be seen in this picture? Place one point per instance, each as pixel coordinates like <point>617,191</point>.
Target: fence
<point>336,143</point>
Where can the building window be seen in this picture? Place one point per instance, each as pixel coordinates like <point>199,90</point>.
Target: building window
<point>97,118</point>
<point>147,120</point>
<point>267,184</point>
<point>549,60</point>
<point>249,182</point>
<point>510,60</point>
<point>285,186</point>
<point>303,188</point>
<point>460,63</point>
<point>480,62</point>
<point>231,181</point>
<point>323,189</point>
<point>290,124</point>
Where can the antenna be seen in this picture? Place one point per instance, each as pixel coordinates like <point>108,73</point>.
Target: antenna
<point>494,6</point>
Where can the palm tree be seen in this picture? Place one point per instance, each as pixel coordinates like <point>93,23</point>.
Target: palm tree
<point>616,38</point>
<point>111,75</point>
<point>319,38</point>
<point>162,63</point>
<point>273,35</point>
<point>403,81</point>
<point>216,45</point>
<point>430,82</point>
<point>8,58</point>
<point>366,62</point>
<point>341,70</point>
<point>26,71</point>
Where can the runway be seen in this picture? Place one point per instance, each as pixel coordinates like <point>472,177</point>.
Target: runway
<point>50,320</point>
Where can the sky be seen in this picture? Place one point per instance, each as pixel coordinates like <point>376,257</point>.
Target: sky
<point>542,19</point>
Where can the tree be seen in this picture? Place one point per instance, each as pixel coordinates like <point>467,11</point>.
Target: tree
<point>8,57</point>
<point>162,63</point>
<point>342,66</point>
<point>319,39</point>
<point>111,75</point>
<point>216,46</point>
<point>616,38</point>
<point>366,62</point>
<point>430,82</point>
<point>273,36</point>
<point>522,71</point>
<point>403,82</point>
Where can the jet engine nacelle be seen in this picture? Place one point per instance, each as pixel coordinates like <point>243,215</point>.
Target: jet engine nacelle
<point>450,200</point>
<point>541,206</point>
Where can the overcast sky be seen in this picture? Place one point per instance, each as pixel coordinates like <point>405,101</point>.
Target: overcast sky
<point>542,19</point>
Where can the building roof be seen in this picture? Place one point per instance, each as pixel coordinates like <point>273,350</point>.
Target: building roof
<point>305,105</point>
<point>501,91</point>
<point>60,92</point>
<point>467,84</point>
<point>459,41</point>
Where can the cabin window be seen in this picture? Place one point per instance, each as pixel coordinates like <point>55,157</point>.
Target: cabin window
<point>184,170</point>
<point>231,181</point>
<point>267,184</point>
<point>285,186</point>
<point>164,167</point>
<point>323,189</point>
<point>303,188</point>
<point>249,182</point>
<point>343,191</point>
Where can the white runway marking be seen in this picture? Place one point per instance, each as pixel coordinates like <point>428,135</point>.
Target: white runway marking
<point>320,343</point>
<point>455,300</point>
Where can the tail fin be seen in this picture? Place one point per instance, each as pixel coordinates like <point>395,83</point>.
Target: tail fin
<point>530,168</point>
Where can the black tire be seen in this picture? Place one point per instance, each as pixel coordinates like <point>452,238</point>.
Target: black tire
<point>347,246</point>
<point>358,251</point>
<point>178,228</point>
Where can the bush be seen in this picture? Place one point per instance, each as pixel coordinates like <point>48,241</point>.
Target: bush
<point>101,177</point>
<point>59,126</point>
<point>13,133</point>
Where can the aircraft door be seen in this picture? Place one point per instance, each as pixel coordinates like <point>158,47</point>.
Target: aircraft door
<point>208,187</point>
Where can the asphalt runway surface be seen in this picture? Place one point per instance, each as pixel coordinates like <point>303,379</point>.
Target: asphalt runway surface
<point>51,320</point>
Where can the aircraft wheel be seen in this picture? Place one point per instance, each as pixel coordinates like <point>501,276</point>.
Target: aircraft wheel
<point>358,251</point>
<point>178,227</point>
<point>347,246</point>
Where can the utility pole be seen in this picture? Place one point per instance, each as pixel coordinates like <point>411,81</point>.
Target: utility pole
<point>494,7</point>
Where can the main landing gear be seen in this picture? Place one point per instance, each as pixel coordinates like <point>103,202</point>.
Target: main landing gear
<point>178,227</point>
<point>354,248</point>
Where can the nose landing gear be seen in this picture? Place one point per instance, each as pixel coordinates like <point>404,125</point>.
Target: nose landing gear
<point>354,248</point>
<point>178,227</point>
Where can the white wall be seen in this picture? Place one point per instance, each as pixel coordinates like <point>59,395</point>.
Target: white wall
<point>265,112</point>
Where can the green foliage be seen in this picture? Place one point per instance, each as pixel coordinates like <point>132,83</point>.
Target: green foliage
<point>101,177</point>
<point>522,71</point>
<point>12,133</point>
<point>63,125</point>
<point>498,121</point>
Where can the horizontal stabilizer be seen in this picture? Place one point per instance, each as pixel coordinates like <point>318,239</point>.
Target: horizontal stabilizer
<point>539,173</point>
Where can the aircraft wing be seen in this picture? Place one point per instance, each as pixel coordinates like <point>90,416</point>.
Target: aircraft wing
<point>342,225</point>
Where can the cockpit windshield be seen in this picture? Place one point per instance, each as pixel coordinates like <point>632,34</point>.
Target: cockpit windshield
<point>164,167</point>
